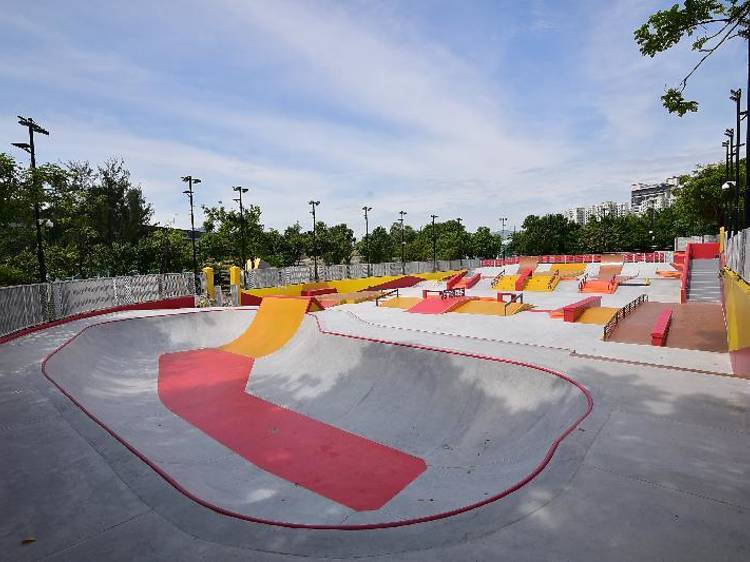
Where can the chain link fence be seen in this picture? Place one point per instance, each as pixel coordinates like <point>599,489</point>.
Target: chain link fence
<point>274,277</point>
<point>24,306</point>
<point>736,253</point>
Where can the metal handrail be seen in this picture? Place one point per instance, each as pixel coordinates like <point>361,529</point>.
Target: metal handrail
<point>622,313</point>
<point>384,295</point>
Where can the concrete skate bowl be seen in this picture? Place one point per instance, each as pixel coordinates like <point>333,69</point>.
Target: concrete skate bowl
<point>329,431</point>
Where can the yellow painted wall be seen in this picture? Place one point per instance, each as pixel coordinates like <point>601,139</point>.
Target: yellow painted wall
<point>343,285</point>
<point>737,310</point>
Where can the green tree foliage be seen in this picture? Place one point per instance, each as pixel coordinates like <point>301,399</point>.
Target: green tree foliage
<point>484,244</point>
<point>548,234</point>
<point>710,24</point>
<point>381,246</point>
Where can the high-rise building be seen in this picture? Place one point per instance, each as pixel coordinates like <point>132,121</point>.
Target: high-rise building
<point>582,215</point>
<point>645,196</point>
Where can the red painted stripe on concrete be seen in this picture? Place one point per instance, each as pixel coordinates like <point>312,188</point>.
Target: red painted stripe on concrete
<point>206,387</point>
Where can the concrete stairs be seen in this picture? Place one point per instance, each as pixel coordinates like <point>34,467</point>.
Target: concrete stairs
<point>704,281</point>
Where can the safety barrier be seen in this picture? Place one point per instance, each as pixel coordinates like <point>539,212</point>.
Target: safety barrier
<point>24,306</point>
<point>622,313</point>
<point>628,257</point>
<point>737,255</point>
<point>276,277</point>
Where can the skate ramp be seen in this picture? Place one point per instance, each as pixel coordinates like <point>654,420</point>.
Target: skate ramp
<point>480,427</point>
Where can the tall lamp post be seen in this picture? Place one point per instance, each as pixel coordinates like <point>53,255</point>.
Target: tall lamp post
<point>34,127</point>
<point>727,177</point>
<point>314,204</point>
<point>190,180</point>
<point>367,209</point>
<point>736,97</point>
<point>729,133</point>
<point>503,220</point>
<point>459,220</point>
<point>240,190</point>
<point>434,244</point>
<point>403,242</point>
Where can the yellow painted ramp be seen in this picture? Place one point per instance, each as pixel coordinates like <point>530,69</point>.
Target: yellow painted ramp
<point>597,315</point>
<point>400,302</point>
<point>276,321</point>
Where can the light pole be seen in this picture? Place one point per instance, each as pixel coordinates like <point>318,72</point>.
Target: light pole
<point>190,180</point>
<point>729,133</point>
<point>434,244</point>
<point>314,204</point>
<point>736,97</point>
<point>33,127</point>
<point>459,220</point>
<point>503,220</point>
<point>366,209</point>
<point>727,177</point>
<point>403,242</point>
<point>240,190</point>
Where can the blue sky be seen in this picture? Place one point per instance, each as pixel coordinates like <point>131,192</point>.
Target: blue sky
<point>475,109</point>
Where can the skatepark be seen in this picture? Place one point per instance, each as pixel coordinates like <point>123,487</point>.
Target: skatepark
<point>583,410</point>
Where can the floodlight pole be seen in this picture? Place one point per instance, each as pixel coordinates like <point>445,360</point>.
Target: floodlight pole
<point>190,180</point>
<point>724,221</point>
<point>403,243</point>
<point>33,127</point>
<point>503,220</point>
<point>240,190</point>
<point>314,204</point>
<point>736,96</point>
<point>367,238</point>
<point>461,243</point>
<point>434,244</point>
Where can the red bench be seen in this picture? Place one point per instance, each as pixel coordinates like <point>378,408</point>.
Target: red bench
<point>571,312</point>
<point>661,327</point>
<point>321,291</point>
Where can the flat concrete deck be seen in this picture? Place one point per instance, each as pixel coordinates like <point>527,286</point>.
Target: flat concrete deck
<point>657,472</point>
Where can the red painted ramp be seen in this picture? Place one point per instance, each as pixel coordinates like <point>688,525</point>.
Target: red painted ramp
<point>206,387</point>
<point>436,305</point>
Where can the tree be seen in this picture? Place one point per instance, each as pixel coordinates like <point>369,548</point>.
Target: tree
<point>549,234</point>
<point>484,244</point>
<point>381,246</point>
<point>713,21</point>
<point>335,243</point>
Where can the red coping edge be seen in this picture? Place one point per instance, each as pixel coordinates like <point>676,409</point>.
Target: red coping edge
<point>370,526</point>
<point>176,302</point>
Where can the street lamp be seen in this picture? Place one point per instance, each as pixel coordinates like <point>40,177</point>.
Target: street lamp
<point>434,244</point>
<point>190,180</point>
<point>502,220</point>
<point>34,127</point>
<point>459,220</point>
<point>729,133</point>
<point>314,204</point>
<point>724,219</point>
<point>240,190</point>
<point>403,242</point>
<point>366,209</point>
<point>736,97</point>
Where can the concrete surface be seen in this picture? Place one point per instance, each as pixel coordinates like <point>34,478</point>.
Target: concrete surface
<point>657,472</point>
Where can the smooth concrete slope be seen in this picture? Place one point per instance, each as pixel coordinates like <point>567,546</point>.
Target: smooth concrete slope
<point>479,428</point>
<point>704,281</point>
<point>664,476</point>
